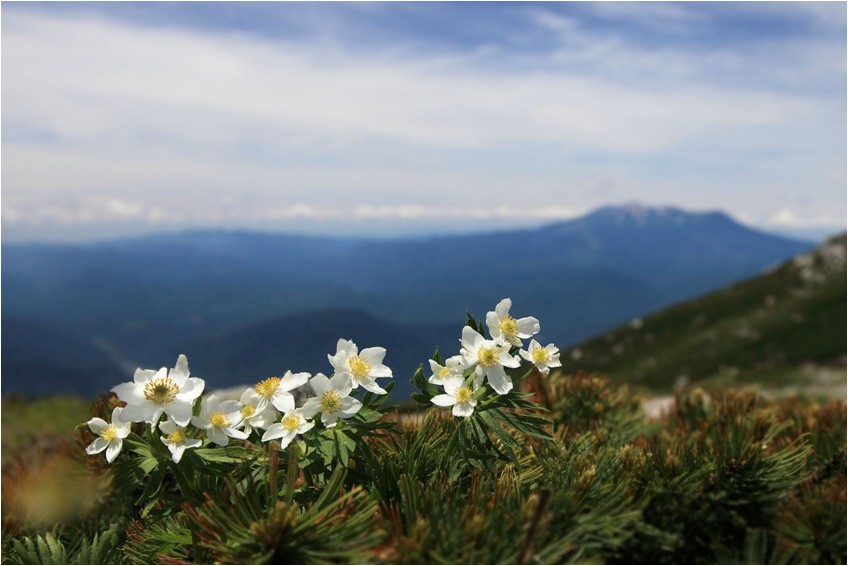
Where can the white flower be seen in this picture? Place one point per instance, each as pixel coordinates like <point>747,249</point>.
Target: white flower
<point>275,390</point>
<point>451,371</point>
<point>458,396</point>
<point>504,327</point>
<point>219,419</point>
<point>177,441</point>
<point>544,358</point>
<point>360,367</point>
<point>332,399</point>
<point>252,417</point>
<point>110,437</point>
<point>490,358</point>
<point>293,423</point>
<point>152,393</point>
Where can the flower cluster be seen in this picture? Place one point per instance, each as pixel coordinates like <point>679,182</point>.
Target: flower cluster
<point>172,393</point>
<point>481,361</point>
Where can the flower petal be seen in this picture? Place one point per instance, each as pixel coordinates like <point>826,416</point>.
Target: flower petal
<point>180,373</point>
<point>179,411</point>
<point>452,382</point>
<point>347,347</point>
<point>342,383</point>
<point>154,418</point>
<point>116,417</point>
<point>97,425</point>
<point>263,419</point>
<point>310,408</point>
<point>513,340</point>
<point>380,370</point>
<point>283,401</point>
<point>217,436</point>
<point>235,433</point>
<point>286,440</point>
<point>499,380</point>
<point>96,447</point>
<point>250,397</point>
<point>350,407</point>
<point>320,384</point>
<point>209,405</point>
<point>130,392</point>
<point>373,356</point>
<point>508,361</point>
<point>455,362</point>
<point>463,409</point>
<point>235,417</point>
<point>470,338</point>
<point>275,431</point>
<point>229,406</point>
<point>435,367</point>
<point>177,451</point>
<point>191,389</point>
<point>137,413</point>
<point>493,321</point>
<point>502,308</point>
<point>443,400</point>
<point>114,449</point>
<point>142,376</point>
<point>369,384</point>
<point>329,419</point>
<point>528,326</point>
<point>291,381</point>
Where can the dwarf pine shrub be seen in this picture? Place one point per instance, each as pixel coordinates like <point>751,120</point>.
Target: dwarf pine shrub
<point>503,459</point>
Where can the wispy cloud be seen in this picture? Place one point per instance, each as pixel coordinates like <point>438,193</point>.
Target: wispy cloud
<point>120,120</point>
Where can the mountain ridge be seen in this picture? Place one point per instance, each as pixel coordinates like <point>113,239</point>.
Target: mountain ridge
<point>784,329</point>
<point>144,298</point>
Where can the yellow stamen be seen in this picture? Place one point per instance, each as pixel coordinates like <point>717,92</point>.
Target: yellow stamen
<point>291,422</point>
<point>488,357</point>
<point>267,387</point>
<point>541,356</point>
<point>463,394</point>
<point>444,372</point>
<point>161,391</point>
<point>219,420</point>
<point>110,433</point>
<point>331,401</point>
<point>509,326</point>
<point>247,411</point>
<point>359,366</point>
<point>176,437</point>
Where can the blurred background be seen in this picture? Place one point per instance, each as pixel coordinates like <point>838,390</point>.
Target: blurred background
<point>662,184</point>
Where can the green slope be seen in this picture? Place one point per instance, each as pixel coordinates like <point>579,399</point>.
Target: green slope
<point>785,328</point>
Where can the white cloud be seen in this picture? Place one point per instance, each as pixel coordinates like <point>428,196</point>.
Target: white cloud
<point>788,218</point>
<point>95,81</point>
<point>170,125</point>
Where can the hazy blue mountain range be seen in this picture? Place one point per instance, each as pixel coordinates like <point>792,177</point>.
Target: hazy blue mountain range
<point>239,302</point>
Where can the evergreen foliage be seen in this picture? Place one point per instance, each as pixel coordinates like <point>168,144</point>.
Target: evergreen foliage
<point>783,328</point>
<point>725,477</point>
<point>561,469</point>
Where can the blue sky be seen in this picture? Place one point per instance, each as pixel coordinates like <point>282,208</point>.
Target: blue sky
<point>401,118</point>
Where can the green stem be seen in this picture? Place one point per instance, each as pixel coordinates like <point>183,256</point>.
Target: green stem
<point>273,465</point>
<point>291,476</point>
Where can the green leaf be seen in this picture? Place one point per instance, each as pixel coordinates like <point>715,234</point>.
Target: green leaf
<point>147,465</point>
<point>226,455</point>
<point>150,495</point>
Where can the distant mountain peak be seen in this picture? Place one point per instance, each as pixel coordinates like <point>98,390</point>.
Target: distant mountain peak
<point>638,215</point>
